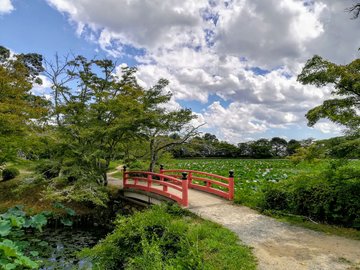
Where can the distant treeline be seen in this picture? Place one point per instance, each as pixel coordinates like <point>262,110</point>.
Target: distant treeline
<point>210,146</point>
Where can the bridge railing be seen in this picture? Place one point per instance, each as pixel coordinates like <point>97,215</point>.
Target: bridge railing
<point>164,185</point>
<point>208,182</point>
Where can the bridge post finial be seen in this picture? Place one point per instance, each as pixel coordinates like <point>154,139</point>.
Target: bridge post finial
<point>231,173</point>
<point>124,168</point>
<point>184,176</point>
<point>161,166</point>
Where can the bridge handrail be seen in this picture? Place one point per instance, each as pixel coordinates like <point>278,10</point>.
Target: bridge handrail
<point>198,172</point>
<point>163,180</point>
<point>229,185</point>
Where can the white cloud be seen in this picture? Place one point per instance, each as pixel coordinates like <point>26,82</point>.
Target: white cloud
<point>247,52</point>
<point>6,7</point>
<point>42,89</point>
<point>327,127</point>
<point>138,23</point>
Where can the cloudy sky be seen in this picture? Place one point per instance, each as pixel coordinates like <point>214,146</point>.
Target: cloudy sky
<point>233,62</point>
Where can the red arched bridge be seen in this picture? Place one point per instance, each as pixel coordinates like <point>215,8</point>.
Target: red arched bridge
<point>175,184</point>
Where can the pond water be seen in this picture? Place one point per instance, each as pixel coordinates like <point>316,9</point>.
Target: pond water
<point>58,247</point>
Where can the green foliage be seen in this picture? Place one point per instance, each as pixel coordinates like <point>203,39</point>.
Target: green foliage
<point>15,253</point>
<point>66,216</point>
<point>261,148</point>
<point>344,147</point>
<point>346,81</point>
<point>162,126</point>
<point>9,173</point>
<point>312,154</point>
<point>338,147</point>
<point>49,169</point>
<point>18,106</point>
<point>167,238</point>
<point>209,146</point>
<point>330,196</point>
<point>102,111</point>
<point>84,191</point>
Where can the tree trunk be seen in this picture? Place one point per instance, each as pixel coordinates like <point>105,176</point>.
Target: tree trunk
<point>105,179</point>
<point>107,164</point>
<point>153,155</point>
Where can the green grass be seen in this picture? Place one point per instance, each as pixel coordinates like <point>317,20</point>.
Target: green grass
<point>167,237</point>
<point>118,175</point>
<point>113,165</point>
<point>325,228</point>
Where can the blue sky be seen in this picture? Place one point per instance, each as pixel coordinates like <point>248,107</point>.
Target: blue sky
<point>234,63</point>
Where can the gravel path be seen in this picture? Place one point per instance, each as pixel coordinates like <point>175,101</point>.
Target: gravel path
<point>278,245</point>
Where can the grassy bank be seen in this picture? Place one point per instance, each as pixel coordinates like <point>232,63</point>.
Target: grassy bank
<point>28,190</point>
<point>167,237</point>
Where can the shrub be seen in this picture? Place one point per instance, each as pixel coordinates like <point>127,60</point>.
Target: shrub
<point>275,198</point>
<point>9,173</point>
<point>331,196</point>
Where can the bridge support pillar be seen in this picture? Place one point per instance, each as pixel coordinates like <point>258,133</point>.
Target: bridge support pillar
<point>231,185</point>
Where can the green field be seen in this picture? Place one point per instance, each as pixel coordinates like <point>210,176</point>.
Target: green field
<point>251,175</point>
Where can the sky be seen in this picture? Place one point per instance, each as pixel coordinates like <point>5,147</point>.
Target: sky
<point>233,62</point>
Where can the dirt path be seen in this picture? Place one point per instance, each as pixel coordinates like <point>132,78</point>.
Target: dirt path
<point>278,245</point>
<point>113,181</point>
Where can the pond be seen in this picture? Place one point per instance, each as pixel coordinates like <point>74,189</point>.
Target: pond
<point>58,247</point>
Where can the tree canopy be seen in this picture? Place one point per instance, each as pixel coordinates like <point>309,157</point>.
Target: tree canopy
<point>344,107</point>
<point>20,110</point>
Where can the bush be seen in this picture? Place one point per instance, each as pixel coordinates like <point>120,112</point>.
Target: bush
<point>331,196</point>
<point>9,173</point>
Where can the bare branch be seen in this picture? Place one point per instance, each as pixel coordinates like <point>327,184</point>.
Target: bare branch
<point>189,134</point>
<point>355,10</point>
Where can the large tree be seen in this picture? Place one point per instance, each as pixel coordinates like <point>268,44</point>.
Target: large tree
<point>345,79</point>
<point>21,112</point>
<point>95,110</point>
<point>161,123</point>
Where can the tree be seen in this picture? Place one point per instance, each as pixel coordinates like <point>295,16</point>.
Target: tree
<point>344,109</point>
<point>261,148</point>
<point>244,149</point>
<point>96,110</point>
<point>225,149</point>
<point>278,147</point>
<point>292,146</point>
<point>20,111</point>
<point>161,123</point>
